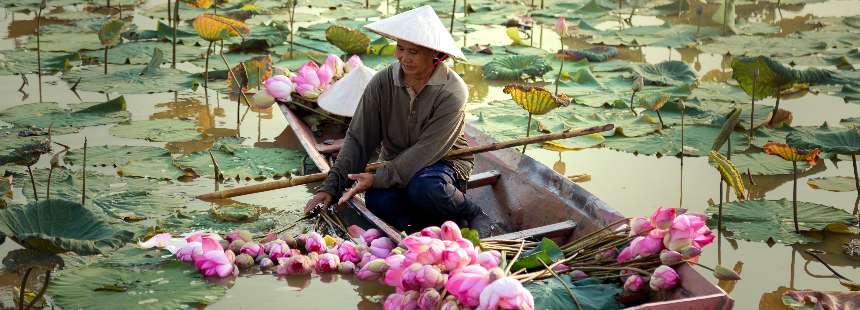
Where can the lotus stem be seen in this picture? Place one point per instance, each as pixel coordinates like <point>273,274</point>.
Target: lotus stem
<point>397,7</point>
<point>84,174</point>
<point>541,4</point>
<point>106,59</point>
<point>33,182</point>
<point>775,109</point>
<point>528,131</point>
<point>566,287</point>
<point>720,221</point>
<point>633,96</point>
<point>41,290</point>
<point>453,10</point>
<point>703,266</point>
<point>48,190</point>
<point>620,2</point>
<point>516,256</point>
<point>176,25</point>
<point>681,198</point>
<point>206,69</point>
<point>856,178</point>
<point>39,51</point>
<point>725,16</point>
<point>292,11</point>
<point>23,288</point>
<point>794,197</point>
<point>660,117</point>
<point>366,4</point>
<point>169,13</point>
<point>560,67</point>
<point>679,7</point>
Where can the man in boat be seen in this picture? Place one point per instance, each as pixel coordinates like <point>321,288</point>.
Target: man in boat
<point>413,111</point>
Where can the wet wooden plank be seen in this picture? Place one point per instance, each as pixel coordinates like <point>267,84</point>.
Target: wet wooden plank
<point>306,138</point>
<point>547,230</point>
<point>484,178</point>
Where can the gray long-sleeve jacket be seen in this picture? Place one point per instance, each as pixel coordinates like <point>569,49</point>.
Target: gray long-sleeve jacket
<point>414,130</point>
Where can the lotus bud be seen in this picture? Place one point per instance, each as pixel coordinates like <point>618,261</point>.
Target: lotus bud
<point>262,100</point>
<point>640,226</point>
<point>315,243</point>
<point>381,247</point>
<point>450,231</point>
<point>243,235</point>
<point>236,245</point>
<point>231,257</point>
<point>370,235</point>
<point>354,231</point>
<point>725,274</point>
<point>561,268</point>
<point>353,63</point>
<point>266,263</point>
<point>495,274</point>
<point>335,64</point>
<point>634,283</point>
<point>328,263</point>
<point>638,84</point>
<point>626,254</point>
<point>277,248</point>
<point>295,265</point>
<point>271,236</point>
<point>577,275</point>
<point>224,244</point>
<point>251,248</point>
<point>401,301</point>
<point>365,258</point>
<point>606,256</point>
<point>453,258</point>
<point>348,252</point>
<point>561,27</point>
<point>347,267</point>
<point>370,272</point>
<point>314,257</point>
<point>300,241</point>
<point>291,241</point>
<point>671,258</point>
<point>428,299</point>
<point>377,265</point>
<point>279,87</point>
<point>450,303</point>
<point>692,252</point>
<point>428,276</point>
<point>664,278</point>
<point>467,284</point>
<point>244,261</point>
<point>397,251</point>
<point>662,218</point>
<point>432,232</point>
<point>489,259</point>
<point>506,293</point>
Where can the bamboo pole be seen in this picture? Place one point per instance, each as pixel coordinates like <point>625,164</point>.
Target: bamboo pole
<point>311,178</point>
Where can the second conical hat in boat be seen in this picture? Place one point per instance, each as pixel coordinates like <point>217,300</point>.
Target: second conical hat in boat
<point>342,98</point>
<point>420,26</point>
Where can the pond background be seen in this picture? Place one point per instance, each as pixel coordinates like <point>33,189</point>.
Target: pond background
<point>633,185</point>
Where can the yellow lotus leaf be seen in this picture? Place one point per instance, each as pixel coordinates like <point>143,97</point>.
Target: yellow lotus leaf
<point>203,4</point>
<point>213,27</point>
<point>729,172</point>
<point>514,34</point>
<point>792,154</point>
<point>535,100</point>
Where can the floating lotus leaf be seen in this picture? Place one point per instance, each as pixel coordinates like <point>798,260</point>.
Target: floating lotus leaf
<point>697,142</point>
<point>11,140</point>
<point>29,154</point>
<point>172,285</point>
<point>130,161</point>
<point>535,100</point>
<point>669,73</point>
<point>592,54</point>
<point>654,101</point>
<point>205,220</point>
<point>66,42</point>
<point>127,79</point>
<point>516,67</point>
<point>236,213</point>
<point>348,40</point>
<point>236,160</point>
<point>203,4</point>
<point>59,226</point>
<point>590,293</point>
<point>844,141</point>
<point>792,154</point>
<point>760,220</point>
<point>833,184</point>
<point>764,164</point>
<point>575,143</point>
<point>24,61</point>
<point>213,27</point>
<point>773,77</point>
<point>141,52</point>
<point>23,259</point>
<point>160,130</point>
<point>43,115</point>
<point>109,34</point>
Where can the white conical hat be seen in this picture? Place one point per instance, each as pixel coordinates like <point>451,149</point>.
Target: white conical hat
<point>342,98</point>
<point>420,26</point>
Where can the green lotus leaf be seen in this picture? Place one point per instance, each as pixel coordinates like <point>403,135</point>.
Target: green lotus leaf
<point>10,141</point>
<point>535,100</point>
<point>764,164</point>
<point>592,54</point>
<point>669,73</point>
<point>236,160</point>
<point>126,79</point>
<point>58,226</point>
<point>845,141</point>
<point>590,293</point>
<point>205,220</point>
<point>43,115</point>
<point>516,67</point>
<point>774,77</point>
<point>33,5</point>
<point>348,40</point>
<point>23,259</point>
<point>760,220</point>
<point>24,61</point>
<point>109,34</point>
<point>130,161</point>
<point>160,130</point>
<point>140,53</point>
<point>236,213</point>
<point>833,184</point>
<point>546,251</point>
<point>697,142</point>
<point>172,285</point>
<point>66,42</point>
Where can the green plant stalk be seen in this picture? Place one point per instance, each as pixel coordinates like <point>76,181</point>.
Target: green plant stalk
<point>561,67</point>
<point>794,197</point>
<point>206,68</point>
<point>169,13</point>
<point>292,10</point>
<point>528,131</point>
<point>48,190</point>
<point>720,221</point>
<point>175,25</point>
<point>752,110</point>
<point>106,59</point>
<point>33,182</point>
<point>725,16</point>
<point>366,4</point>
<point>633,96</point>
<point>41,290</point>
<point>453,9</point>
<point>23,288</point>
<point>84,174</point>
<point>856,178</point>
<point>681,198</point>
<point>679,8</point>
<point>660,117</point>
<point>566,287</point>
<point>775,109</point>
<point>39,51</point>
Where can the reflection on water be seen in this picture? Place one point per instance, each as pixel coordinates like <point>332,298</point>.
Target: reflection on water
<point>311,292</point>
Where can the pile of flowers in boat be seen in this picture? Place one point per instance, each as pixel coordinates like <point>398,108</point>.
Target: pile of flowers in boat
<point>309,81</point>
<point>437,268</point>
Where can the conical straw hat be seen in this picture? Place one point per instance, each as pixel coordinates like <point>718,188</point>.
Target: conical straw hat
<point>420,26</point>
<point>342,98</point>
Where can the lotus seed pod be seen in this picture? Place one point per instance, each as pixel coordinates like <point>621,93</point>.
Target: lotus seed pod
<point>244,261</point>
<point>347,267</point>
<point>236,245</point>
<point>266,263</point>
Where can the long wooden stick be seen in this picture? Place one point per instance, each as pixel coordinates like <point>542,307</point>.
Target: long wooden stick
<point>311,178</point>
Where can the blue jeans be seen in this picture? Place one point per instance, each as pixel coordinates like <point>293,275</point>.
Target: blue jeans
<point>432,197</point>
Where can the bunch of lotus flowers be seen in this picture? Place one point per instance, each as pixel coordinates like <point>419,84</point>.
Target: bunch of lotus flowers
<point>311,79</point>
<point>674,235</point>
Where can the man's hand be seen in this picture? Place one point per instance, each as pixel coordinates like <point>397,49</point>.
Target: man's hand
<point>364,181</point>
<point>318,198</point>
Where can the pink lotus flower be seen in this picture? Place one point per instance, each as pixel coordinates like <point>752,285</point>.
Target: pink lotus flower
<point>381,247</point>
<point>262,100</point>
<point>294,265</point>
<point>370,235</point>
<point>454,257</point>
<point>346,267</point>
<point>424,250</point>
<point>309,82</point>
<point>315,243</point>
<point>489,259</point>
<point>640,226</point>
<point>279,87</point>
<point>506,293</point>
<point>634,283</point>
<point>428,299</point>
<point>236,245</point>
<point>214,261</point>
<point>607,255</point>
<point>328,263</point>
<point>626,254</point>
<point>664,278</point>
<point>562,268</point>
<point>277,248</point>
<point>187,253</point>
<point>692,252</point>
<point>428,276</point>
<point>662,218</point>
<point>450,303</point>
<point>401,301</point>
<point>577,275</point>
<point>158,241</point>
<point>406,279</point>
<point>266,263</point>
<point>366,257</point>
<point>561,27</point>
<point>372,270</point>
<point>348,252</point>
<point>432,232</point>
<point>397,264</point>
<point>251,248</point>
<point>467,284</point>
<point>688,230</point>
<point>334,64</point>
<point>671,258</point>
<point>353,62</point>
<point>450,231</point>
<point>646,246</point>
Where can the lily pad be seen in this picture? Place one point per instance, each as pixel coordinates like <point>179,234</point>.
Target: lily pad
<point>348,40</point>
<point>139,53</point>
<point>670,73</point>
<point>159,130</point>
<point>236,160</point>
<point>590,293</point>
<point>697,142</point>
<point>764,164</point>
<point>205,220</point>
<point>43,115</point>
<point>547,251</point>
<point>127,79</point>
<point>236,213</point>
<point>516,67</point>
<point>59,226</point>
<point>845,141</point>
<point>833,184</point>
<point>761,220</point>
<point>66,42</point>
<point>173,285</point>
<point>130,161</point>
<point>24,61</point>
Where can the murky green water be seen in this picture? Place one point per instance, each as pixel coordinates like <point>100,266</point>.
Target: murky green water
<point>634,185</point>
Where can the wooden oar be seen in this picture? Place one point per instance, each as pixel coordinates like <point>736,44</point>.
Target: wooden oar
<point>318,177</point>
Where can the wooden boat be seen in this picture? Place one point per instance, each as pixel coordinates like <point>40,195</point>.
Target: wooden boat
<point>529,199</point>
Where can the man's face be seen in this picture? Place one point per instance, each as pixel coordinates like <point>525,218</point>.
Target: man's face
<point>414,58</point>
